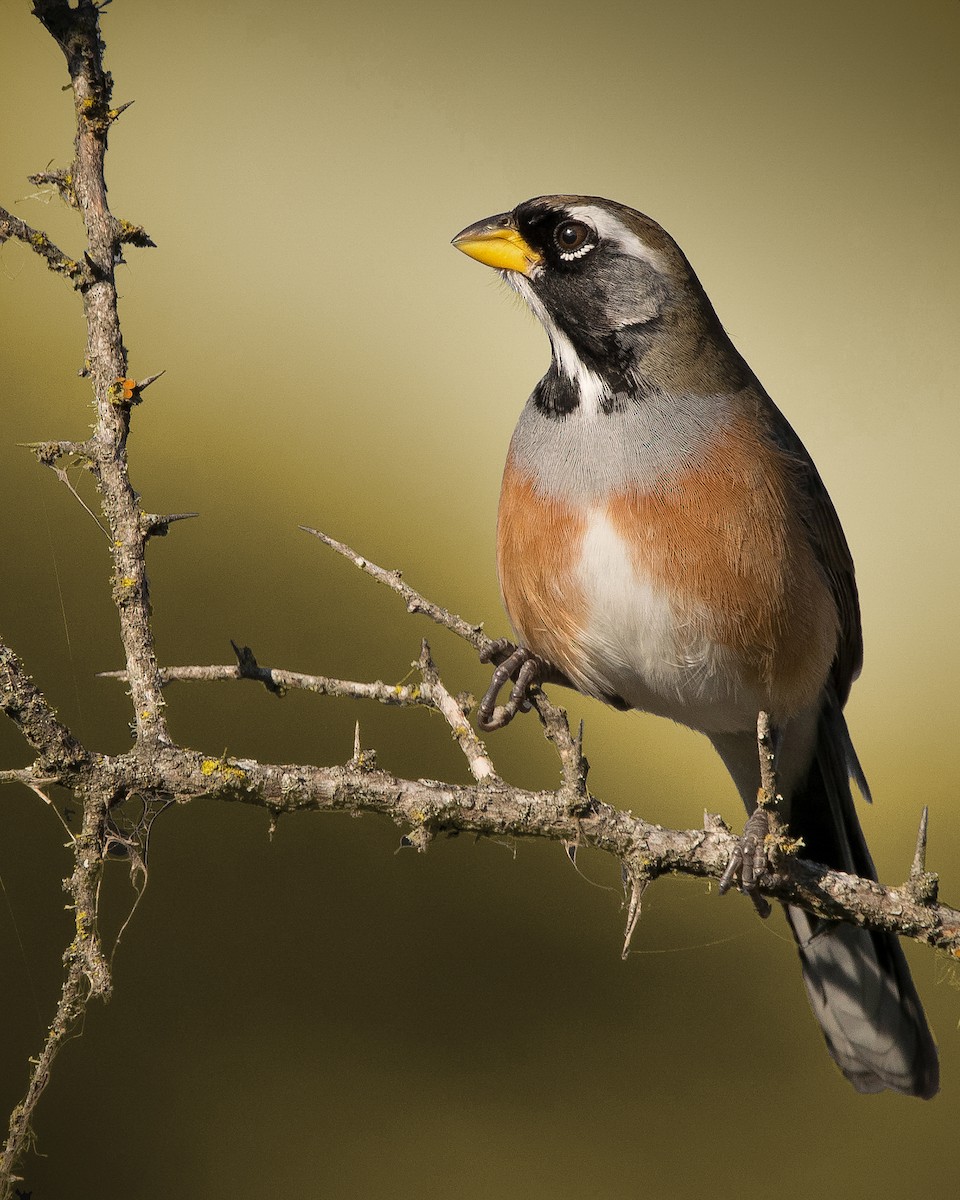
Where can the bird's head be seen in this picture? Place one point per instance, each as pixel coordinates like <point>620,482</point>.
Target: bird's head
<point>613,290</point>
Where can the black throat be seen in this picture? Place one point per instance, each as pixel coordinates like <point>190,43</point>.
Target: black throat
<point>611,358</point>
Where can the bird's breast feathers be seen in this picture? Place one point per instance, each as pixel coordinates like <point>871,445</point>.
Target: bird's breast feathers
<point>696,597</point>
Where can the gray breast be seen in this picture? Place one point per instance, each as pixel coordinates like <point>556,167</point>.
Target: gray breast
<point>584,456</point>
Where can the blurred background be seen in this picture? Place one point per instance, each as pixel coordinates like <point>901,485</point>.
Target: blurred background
<point>320,1015</point>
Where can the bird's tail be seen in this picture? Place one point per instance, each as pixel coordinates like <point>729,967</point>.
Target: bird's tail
<point>858,981</point>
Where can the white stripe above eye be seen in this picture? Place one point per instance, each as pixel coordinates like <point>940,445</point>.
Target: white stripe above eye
<point>590,387</point>
<point>613,231</point>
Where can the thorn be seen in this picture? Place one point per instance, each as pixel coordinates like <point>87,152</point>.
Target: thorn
<point>356,743</point>
<point>133,235</point>
<point>143,384</point>
<point>923,885</point>
<point>920,854</point>
<point>155,525</point>
<point>638,885</point>
<point>714,823</point>
<point>571,849</point>
<point>121,108</point>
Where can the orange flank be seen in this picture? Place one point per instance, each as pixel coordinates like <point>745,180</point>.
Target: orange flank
<point>725,541</point>
<point>538,552</point>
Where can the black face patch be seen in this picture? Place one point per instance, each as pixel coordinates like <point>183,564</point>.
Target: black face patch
<point>590,286</point>
<point>608,303</point>
<point>562,239</point>
<point>537,223</point>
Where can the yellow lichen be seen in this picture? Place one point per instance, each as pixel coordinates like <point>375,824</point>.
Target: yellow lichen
<point>216,766</point>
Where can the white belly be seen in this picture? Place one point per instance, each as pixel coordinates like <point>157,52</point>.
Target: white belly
<point>637,644</point>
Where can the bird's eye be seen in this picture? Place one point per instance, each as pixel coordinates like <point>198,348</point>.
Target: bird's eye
<point>573,239</point>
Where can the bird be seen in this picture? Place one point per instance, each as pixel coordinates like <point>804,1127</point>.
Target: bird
<point>666,544</point>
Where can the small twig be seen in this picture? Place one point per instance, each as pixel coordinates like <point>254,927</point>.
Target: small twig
<point>38,791</point>
<point>61,180</point>
<point>279,681</point>
<point>481,767</point>
<point>57,749</point>
<point>764,835</point>
<point>49,452</point>
<point>414,601</point>
<point>768,761</point>
<point>12,227</point>
<point>61,474</point>
<point>574,766</point>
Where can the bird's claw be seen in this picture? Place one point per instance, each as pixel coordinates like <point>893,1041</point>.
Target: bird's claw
<point>749,861</point>
<point>513,663</point>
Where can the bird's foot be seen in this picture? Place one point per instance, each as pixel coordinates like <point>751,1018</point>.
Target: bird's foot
<point>749,859</point>
<point>513,663</point>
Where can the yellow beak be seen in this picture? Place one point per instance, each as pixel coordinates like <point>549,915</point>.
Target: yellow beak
<point>497,243</point>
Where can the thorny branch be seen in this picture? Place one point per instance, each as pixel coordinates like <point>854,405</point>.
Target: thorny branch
<point>156,771</point>
<point>493,807</point>
<point>76,31</point>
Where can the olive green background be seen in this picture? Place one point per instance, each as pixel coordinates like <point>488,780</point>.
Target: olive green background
<point>321,1015</point>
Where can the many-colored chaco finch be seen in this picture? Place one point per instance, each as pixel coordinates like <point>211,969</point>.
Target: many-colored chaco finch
<point>665,543</point>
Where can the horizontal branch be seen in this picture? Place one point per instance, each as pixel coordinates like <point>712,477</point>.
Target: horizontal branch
<point>429,693</point>
<point>426,808</point>
<point>279,681</point>
<point>645,851</point>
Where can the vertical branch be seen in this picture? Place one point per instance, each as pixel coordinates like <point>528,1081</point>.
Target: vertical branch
<point>77,32</point>
<point>87,975</point>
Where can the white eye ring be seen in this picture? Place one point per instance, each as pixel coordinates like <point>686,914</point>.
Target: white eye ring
<point>570,255</point>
